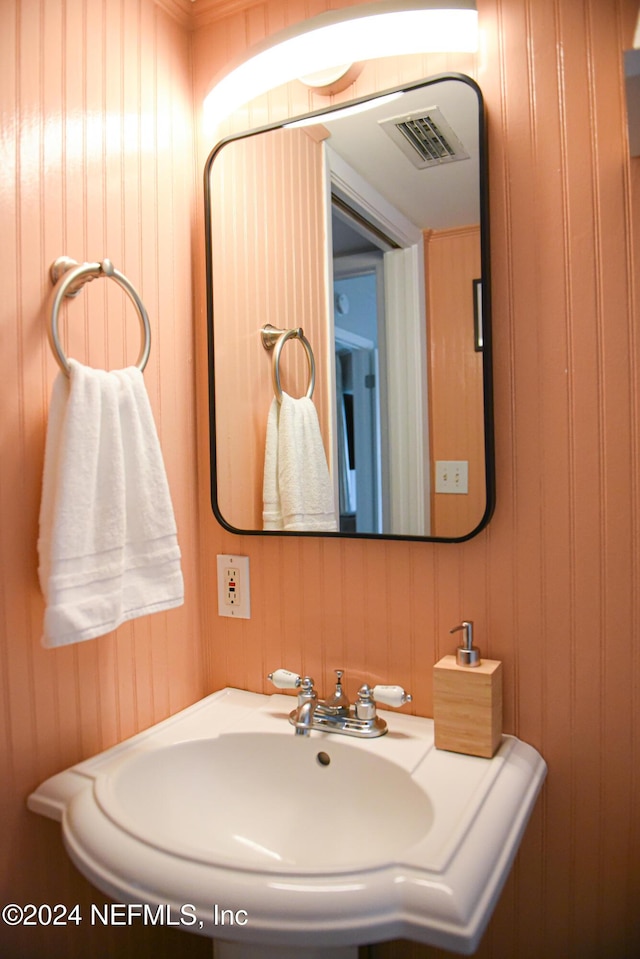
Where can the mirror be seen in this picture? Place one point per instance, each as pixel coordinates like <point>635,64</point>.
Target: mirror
<point>367,229</point>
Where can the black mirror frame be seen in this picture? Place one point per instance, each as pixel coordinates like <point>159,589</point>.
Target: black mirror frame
<point>487,339</point>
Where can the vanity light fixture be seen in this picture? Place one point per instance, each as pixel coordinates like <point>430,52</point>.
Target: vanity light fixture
<point>387,28</point>
<point>334,79</point>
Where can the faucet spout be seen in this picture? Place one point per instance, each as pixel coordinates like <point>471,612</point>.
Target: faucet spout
<point>304,717</point>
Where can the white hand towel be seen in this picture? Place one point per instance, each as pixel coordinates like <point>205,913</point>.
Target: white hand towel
<point>271,507</point>
<point>297,491</point>
<point>107,547</point>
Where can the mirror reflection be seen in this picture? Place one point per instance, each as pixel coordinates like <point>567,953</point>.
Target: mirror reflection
<point>366,230</point>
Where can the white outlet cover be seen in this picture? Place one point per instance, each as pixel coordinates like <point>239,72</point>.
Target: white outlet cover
<point>242,609</point>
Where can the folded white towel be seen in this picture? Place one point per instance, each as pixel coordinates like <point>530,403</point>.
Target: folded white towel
<point>107,547</point>
<point>297,491</point>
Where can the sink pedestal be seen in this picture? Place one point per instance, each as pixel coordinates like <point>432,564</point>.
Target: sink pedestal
<point>237,950</point>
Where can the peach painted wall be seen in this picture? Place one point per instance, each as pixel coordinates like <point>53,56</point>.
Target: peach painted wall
<point>96,159</point>
<point>456,404</point>
<point>552,584</point>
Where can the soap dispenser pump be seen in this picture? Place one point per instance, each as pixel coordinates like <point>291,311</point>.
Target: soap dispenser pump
<point>467,700</point>
<point>467,654</point>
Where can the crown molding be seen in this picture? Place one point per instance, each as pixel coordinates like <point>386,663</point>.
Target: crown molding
<point>204,12</point>
<point>193,14</point>
<point>179,10</point>
<point>467,230</point>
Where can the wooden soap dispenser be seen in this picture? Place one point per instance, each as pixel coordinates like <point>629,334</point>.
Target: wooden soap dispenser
<point>467,700</point>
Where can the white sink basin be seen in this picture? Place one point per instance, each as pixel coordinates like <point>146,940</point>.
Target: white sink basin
<point>270,802</point>
<point>222,808</point>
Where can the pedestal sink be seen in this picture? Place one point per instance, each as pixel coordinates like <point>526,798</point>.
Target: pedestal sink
<point>230,826</point>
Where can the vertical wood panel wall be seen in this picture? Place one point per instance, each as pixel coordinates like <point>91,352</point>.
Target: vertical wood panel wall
<point>96,159</point>
<point>456,403</point>
<point>87,90</point>
<point>268,194</point>
<point>553,582</point>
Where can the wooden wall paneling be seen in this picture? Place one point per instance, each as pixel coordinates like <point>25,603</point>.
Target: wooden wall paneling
<point>97,161</point>
<point>551,583</point>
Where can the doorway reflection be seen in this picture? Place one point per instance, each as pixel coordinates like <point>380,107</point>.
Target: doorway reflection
<point>357,386</point>
<point>359,334</point>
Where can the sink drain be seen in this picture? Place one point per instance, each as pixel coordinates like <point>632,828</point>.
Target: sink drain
<point>323,759</point>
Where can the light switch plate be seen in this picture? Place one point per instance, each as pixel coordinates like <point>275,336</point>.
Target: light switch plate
<point>452,476</point>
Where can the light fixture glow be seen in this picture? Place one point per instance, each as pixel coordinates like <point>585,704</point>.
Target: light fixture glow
<point>435,26</point>
<point>345,112</point>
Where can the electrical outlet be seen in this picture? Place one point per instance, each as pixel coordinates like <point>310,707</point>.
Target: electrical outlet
<point>231,586</point>
<point>234,597</point>
<point>452,476</point>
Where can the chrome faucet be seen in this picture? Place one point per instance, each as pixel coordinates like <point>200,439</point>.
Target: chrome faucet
<point>335,714</point>
<point>307,705</point>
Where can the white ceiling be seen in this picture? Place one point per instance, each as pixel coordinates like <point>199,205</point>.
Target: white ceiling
<point>435,198</point>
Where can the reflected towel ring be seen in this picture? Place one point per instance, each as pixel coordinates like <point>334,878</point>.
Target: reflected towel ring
<point>69,277</point>
<point>274,339</point>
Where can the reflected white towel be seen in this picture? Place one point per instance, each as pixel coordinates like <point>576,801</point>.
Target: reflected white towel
<point>108,550</point>
<point>297,491</point>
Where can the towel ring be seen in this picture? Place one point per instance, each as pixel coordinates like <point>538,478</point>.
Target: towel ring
<point>68,278</point>
<point>274,339</point>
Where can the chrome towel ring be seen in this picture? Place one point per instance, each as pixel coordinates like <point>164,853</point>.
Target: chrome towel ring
<point>274,339</point>
<point>68,278</point>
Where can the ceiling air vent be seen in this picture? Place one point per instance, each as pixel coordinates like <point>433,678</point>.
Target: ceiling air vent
<point>425,138</point>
